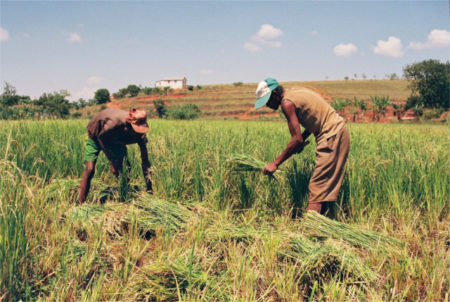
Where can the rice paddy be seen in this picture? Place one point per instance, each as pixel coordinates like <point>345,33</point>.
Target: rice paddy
<point>217,229</point>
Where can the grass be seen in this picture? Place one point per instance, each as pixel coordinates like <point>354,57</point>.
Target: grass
<point>214,235</point>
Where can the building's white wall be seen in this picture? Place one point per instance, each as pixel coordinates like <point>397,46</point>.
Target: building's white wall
<point>174,84</point>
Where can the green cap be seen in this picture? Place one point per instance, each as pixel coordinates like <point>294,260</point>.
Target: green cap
<point>264,90</point>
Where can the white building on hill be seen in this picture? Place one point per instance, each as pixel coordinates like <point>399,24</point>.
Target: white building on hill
<point>174,83</point>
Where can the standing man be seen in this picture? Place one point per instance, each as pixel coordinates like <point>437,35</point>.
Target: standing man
<point>110,131</point>
<point>302,106</point>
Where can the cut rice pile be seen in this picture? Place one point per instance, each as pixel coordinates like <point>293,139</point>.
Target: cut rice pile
<point>319,225</point>
<point>152,212</point>
<point>147,212</point>
<point>324,261</point>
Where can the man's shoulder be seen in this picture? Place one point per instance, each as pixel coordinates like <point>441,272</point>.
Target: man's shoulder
<point>109,113</point>
<point>299,90</point>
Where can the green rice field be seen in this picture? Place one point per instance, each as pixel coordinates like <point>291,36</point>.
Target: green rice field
<point>215,233</point>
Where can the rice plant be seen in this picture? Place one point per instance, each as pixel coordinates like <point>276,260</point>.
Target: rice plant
<point>218,229</point>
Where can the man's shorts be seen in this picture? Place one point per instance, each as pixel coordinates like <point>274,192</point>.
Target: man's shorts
<point>331,156</point>
<point>92,149</point>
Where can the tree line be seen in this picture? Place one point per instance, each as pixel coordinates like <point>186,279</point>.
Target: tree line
<point>428,80</point>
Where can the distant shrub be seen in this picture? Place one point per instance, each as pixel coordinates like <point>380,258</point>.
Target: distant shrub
<point>147,90</point>
<point>133,90</point>
<point>190,87</point>
<point>238,83</point>
<point>167,90</point>
<point>161,108</point>
<point>429,114</point>
<point>76,114</point>
<point>199,87</point>
<point>184,112</point>
<point>103,106</point>
<point>379,105</point>
<point>102,96</point>
<point>414,101</point>
<point>157,90</point>
<point>340,104</point>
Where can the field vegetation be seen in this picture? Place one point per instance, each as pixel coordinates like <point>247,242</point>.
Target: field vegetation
<point>237,100</point>
<point>214,233</point>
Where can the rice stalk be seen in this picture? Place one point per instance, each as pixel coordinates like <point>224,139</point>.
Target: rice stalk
<point>247,163</point>
<point>322,226</point>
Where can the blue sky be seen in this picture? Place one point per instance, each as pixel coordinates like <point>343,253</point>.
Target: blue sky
<point>47,46</point>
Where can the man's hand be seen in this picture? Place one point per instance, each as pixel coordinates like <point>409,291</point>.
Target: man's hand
<point>270,168</point>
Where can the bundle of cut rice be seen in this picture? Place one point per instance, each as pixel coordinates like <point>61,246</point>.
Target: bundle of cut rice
<point>247,163</point>
<point>321,261</point>
<point>320,225</point>
<point>148,212</point>
<point>151,212</point>
<point>232,232</point>
<point>166,280</point>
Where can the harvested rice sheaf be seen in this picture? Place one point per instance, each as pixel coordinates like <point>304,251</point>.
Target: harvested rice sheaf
<point>148,212</point>
<point>320,225</point>
<point>151,212</point>
<point>323,261</point>
<point>232,232</point>
<point>165,280</point>
<point>247,163</point>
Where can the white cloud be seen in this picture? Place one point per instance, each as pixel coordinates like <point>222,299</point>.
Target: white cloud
<point>345,50</point>
<point>252,47</point>
<point>314,33</point>
<point>94,80</point>
<point>74,38</point>
<point>4,34</point>
<point>265,36</point>
<point>390,48</point>
<point>436,38</point>
<point>85,93</point>
<point>268,31</point>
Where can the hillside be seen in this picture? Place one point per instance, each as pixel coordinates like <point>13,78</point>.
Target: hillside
<point>236,102</point>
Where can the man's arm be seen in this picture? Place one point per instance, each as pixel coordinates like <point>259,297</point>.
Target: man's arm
<point>295,145</point>
<point>145,163</point>
<point>305,136</point>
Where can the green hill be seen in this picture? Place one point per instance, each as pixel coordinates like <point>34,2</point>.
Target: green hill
<point>236,101</point>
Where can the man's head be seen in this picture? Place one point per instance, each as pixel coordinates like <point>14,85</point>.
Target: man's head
<point>138,120</point>
<point>269,93</point>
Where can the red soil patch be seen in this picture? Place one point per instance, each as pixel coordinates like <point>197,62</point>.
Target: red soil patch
<point>155,97</point>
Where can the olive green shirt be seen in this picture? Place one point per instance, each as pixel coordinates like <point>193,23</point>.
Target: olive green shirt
<point>314,113</point>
